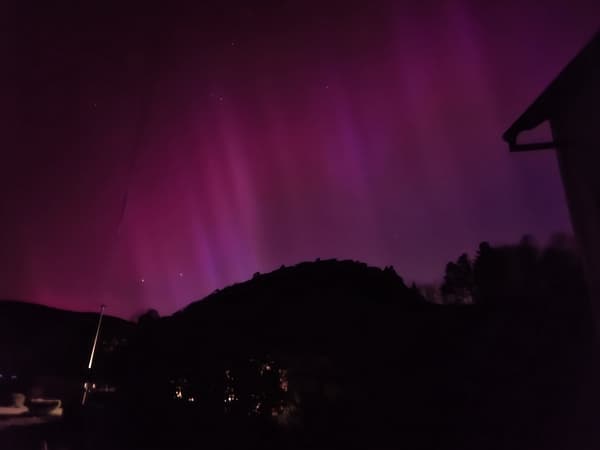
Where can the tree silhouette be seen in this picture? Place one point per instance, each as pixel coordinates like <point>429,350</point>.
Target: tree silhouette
<point>149,316</point>
<point>486,271</point>
<point>458,281</point>
<point>521,275</point>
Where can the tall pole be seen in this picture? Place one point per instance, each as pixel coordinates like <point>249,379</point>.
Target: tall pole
<point>96,337</point>
<point>86,383</point>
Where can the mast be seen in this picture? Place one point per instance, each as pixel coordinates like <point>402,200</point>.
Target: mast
<point>86,384</point>
<point>102,307</point>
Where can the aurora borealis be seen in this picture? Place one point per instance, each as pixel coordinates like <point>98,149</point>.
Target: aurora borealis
<point>248,135</point>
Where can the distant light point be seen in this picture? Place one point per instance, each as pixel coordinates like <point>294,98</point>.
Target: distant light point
<point>180,274</point>
<point>142,281</point>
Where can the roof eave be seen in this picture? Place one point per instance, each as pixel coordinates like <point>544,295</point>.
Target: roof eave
<point>549,100</point>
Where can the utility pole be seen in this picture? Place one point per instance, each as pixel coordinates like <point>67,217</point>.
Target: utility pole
<point>86,383</point>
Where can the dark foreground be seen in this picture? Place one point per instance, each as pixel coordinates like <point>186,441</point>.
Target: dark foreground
<point>336,354</point>
<point>471,390</point>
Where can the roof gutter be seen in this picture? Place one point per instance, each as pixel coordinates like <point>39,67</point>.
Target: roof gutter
<point>514,147</point>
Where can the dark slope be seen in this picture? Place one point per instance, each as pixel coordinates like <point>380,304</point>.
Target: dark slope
<point>318,284</point>
<point>403,371</point>
<point>307,305</point>
<point>47,341</point>
<point>336,326</point>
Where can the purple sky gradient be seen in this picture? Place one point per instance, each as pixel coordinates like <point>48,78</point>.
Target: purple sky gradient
<point>254,136</point>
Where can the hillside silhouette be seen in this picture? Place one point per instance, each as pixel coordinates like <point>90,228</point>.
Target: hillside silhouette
<point>320,283</point>
<point>309,306</point>
<point>353,341</point>
<point>48,349</point>
<point>336,354</point>
<point>369,362</point>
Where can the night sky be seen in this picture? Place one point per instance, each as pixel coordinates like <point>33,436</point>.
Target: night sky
<point>248,135</point>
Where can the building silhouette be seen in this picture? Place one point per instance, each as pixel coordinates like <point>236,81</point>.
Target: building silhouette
<point>571,105</point>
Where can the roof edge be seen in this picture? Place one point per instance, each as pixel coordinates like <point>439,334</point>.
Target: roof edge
<point>544,105</point>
